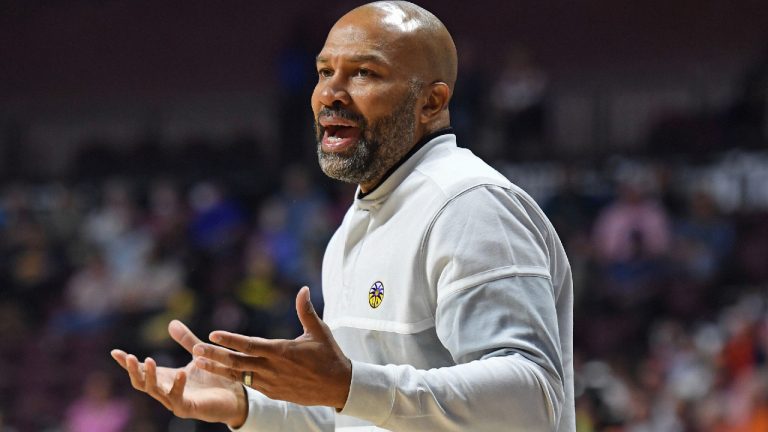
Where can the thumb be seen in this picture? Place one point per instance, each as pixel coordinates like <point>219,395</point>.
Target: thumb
<point>306,312</point>
<point>183,335</point>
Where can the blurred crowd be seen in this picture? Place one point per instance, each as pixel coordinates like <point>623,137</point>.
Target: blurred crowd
<point>671,306</point>
<point>86,268</point>
<point>670,272</point>
<point>671,318</point>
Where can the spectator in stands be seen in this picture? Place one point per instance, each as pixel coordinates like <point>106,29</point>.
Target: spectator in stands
<point>90,298</point>
<point>34,267</point>
<point>261,294</point>
<point>518,98</point>
<point>704,239</point>
<point>168,216</point>
<point>634,225</point>
<point>97,409</point>
<point>116,228</point>
<point>307,216</point>
<point>217,220</point>
<point>149,287</point>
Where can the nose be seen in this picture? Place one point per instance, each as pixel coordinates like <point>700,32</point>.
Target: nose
<point>332,91</point>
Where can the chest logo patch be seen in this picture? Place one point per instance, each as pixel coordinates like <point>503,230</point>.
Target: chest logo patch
<point>376,294</point>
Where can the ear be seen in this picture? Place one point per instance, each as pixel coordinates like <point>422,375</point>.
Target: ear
<point>436,102</point>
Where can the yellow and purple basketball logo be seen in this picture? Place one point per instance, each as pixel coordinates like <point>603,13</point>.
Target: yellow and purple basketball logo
<point>376,294</point>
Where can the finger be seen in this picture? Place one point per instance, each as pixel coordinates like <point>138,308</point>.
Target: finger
<point>306,312</point>
<point>253,346</point>
<point>183,335</point>
<point>232,359</point>
<point>119,356</point>
<point>150,374</point>
<point>150,382</point>
<point>218,369</point>
<point>134,372</point>
<point>177,390</point>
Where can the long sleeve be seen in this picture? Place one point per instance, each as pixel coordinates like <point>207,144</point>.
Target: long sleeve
<point>489,257</point>
<point>265,414</point>
<point>506,389</point>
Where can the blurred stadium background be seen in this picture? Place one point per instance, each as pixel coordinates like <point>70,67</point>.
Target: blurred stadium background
<point>157,162</point>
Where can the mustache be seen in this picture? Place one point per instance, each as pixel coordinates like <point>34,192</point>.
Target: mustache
<point>337,111</point>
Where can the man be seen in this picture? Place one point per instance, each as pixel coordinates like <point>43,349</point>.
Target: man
<point>448,294</point>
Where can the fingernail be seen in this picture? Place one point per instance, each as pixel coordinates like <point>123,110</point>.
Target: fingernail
<point>215,337</point>
<point>198,350</point>
<point>200,362</point>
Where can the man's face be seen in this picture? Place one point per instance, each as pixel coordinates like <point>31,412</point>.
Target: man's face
<point>364,103</point>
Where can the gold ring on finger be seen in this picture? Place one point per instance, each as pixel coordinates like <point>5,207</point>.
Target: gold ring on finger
<point>247,378</point>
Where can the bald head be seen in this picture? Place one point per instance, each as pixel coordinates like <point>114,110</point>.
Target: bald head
<point>415,30</point>
<point>385,77</point>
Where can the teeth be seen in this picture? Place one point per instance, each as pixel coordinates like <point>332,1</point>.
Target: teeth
<point>334,139</point>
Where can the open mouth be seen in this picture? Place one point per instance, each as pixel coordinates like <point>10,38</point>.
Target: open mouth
<point>339,136</point>
<point>337,132</point>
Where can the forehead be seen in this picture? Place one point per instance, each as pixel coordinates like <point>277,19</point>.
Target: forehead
<point>356,39</point>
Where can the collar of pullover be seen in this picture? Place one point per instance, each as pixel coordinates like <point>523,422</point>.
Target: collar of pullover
<point>401,169</point>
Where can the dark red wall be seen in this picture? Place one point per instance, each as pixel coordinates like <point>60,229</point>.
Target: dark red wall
<point>90,47</point>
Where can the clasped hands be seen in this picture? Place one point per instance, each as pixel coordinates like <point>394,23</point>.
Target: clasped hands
<point>308,370</point>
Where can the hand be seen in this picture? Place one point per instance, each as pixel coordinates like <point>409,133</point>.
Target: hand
<point>308,370</point>
<point>188,392</point>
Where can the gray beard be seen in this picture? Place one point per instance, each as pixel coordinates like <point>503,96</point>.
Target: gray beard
<point>380,146</point>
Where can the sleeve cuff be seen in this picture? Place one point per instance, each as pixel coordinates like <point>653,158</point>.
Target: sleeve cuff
<point>371,392</point>
<point>253,410</point>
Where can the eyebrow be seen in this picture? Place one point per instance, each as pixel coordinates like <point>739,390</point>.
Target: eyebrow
<point>358,58</point>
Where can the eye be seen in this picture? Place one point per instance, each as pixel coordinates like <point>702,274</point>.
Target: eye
<point>324,73</point>
<point>364,73</point>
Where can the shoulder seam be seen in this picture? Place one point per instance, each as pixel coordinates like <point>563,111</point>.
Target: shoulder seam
<point>430,226</point>
<point>450,200</point>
